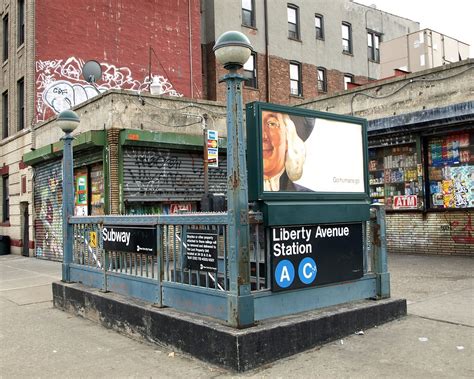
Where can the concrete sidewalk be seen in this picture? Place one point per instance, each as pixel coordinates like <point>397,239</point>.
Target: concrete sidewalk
<point>435,340</point>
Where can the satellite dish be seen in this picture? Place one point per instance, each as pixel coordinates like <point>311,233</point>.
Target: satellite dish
<point>91,71</point>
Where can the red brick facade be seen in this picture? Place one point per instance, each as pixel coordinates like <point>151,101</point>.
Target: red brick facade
<point>119,36</point>
<point>279,81</point>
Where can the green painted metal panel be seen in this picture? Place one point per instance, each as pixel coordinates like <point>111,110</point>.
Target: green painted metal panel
<point>313,212</point>
<point>38,155</point>
<point>269,304</point>
<point>91,277</point>
<point>82,141</point>
<point>133,286</point>
<point>195,300</point>
<point>165,139</point>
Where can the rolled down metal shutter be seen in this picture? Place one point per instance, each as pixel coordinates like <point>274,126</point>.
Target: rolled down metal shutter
<point>48,196</point>
<point>155,174</point>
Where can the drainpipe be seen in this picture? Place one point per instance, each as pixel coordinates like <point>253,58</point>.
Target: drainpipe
<point>190,50</point>
<point>267,58</point>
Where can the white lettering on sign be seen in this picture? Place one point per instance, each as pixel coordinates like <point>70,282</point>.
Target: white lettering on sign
<point>114,236</point>
<point>294,248</point>
<point>338,231</point>
<point>309,273</point>
<point>405,202</point>
<point>285,275</point>
<point>282,234</point>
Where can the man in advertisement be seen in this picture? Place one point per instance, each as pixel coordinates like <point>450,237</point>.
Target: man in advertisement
<point>283,153</point>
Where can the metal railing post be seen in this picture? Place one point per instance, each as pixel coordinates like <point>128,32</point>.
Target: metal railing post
<point>68,206</point>
<point>240,299</point>
<point>159,264</point>
<point>379,252</point>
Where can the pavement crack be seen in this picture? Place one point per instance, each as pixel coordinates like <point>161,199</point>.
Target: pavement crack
<point>443,321</point>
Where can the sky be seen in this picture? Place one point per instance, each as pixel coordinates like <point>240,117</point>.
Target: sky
<point>453,18</point>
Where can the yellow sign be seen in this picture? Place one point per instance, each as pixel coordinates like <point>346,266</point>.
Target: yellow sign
<point>93,239</point>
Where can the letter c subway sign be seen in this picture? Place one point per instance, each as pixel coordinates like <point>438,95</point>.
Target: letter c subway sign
<point>129,239</point>
<point>306,256</point>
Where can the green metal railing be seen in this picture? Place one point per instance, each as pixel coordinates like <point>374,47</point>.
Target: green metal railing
<point>165,280</point>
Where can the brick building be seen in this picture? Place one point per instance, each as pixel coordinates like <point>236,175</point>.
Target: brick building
<point>44,45</point>
<point>134,156</point>
<point>302,48</point>
<point>421,155</point>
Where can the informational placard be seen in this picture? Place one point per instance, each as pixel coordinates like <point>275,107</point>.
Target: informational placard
<point>129,239</point>
<point>81,194</point>
<point>201,250</point>
<point>311,255</point>
<point>212,148</point>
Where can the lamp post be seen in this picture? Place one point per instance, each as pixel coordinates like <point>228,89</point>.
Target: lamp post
<point>232,50</point>
<point>67,120</point>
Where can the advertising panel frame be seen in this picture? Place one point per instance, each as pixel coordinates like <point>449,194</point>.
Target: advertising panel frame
<point>255,156</point>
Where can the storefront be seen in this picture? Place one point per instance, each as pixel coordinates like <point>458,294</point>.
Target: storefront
<point>143,172</point>
<point>162,177</point>
<point>425,179</point>
<point>47,190</point>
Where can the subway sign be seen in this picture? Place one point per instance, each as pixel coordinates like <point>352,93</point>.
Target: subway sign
<point>312,255</point>
<point>129,239</point>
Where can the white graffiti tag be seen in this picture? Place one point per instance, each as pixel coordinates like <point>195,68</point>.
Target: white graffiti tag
<point>60,86</point>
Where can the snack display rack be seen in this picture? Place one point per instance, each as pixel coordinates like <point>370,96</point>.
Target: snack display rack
<point>395,172</point>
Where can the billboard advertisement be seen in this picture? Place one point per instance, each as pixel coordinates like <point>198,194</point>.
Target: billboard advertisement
<point>305,153</point>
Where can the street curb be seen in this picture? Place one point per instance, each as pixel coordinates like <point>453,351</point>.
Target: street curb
<point>211,341</point>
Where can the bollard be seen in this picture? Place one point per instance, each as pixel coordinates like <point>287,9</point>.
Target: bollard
<point>379,250</point>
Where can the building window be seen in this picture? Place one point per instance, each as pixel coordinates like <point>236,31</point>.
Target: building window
<point>5,199</point>
<point>250,71</point>
<point>248,14</point>
<point>348,78</point>
<point>21,22</point>
<point>322,80</point>
<point>5,114</point>
<point>5,38</point>
<point>373,49</point>
<point>319,25</point>
<point>346,38</point>
<point>293,17</point>
<point>20,88</point>
<point>295,79</point>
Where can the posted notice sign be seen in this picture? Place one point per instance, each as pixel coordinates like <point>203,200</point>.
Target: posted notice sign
<point>307,256</point>
<point>201,250</point>
<point>212,148</point>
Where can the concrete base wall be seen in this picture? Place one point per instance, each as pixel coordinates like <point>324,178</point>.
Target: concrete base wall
<point>211,341</point>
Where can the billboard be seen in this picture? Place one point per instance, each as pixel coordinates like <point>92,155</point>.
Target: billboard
<point>304,153</point>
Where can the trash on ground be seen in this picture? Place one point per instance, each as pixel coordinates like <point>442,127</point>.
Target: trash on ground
<point>460,347</point>
<point>423,339</point>
<point>171,354</point>
<point>342,342</point>
<point>360,333</point>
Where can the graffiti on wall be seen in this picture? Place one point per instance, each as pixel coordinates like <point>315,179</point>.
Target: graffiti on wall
<point>59,84</point>
<point>462,230</point>
<point>153,172</point>
<point>48,220</point>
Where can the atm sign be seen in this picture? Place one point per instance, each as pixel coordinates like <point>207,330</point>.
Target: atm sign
<point>405,202</point>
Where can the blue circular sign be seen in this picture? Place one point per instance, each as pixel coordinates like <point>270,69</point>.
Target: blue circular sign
<point>307,270</point>
<point>284,273</point>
